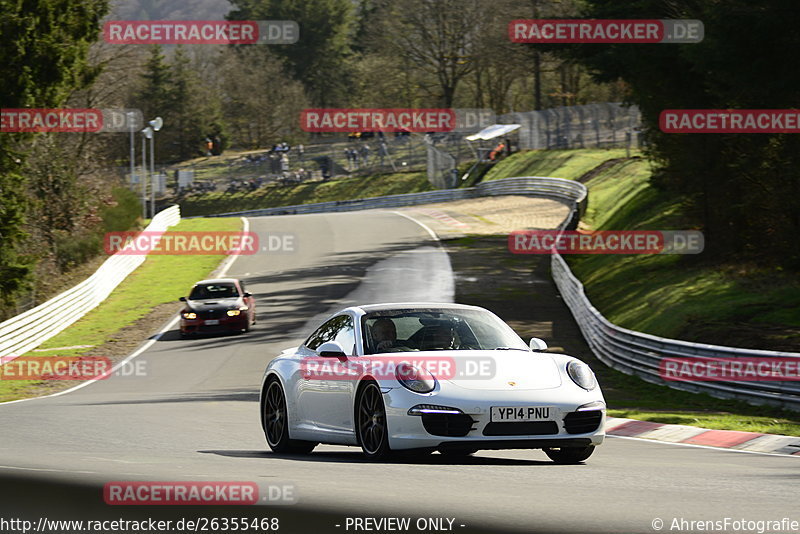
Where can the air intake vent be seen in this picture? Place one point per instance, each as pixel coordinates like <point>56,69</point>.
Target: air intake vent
<point>583,422</point>
<point>451,425</point>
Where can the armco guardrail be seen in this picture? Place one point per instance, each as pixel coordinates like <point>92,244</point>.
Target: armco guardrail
<point>625,350</point>
<point>30,329</point>
<point>640,354</point>
<point>556,188</point>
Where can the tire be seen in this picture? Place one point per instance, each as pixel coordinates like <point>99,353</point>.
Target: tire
<point>276,423</point>
<point>569,455</point>
<point>372,430</point>
<point>457,453</point>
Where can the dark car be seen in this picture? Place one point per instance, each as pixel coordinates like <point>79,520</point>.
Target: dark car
<point>219,305</point>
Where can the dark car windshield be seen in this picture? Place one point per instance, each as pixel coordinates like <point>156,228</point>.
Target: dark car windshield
<point>213,291</point>
<point>436,329</point>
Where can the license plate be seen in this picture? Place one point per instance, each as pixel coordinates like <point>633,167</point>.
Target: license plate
<point>211,322</point>
<point>523,413</point>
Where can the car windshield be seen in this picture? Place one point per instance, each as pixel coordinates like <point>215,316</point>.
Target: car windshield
<point>213,291</point>
<point>436,329</point>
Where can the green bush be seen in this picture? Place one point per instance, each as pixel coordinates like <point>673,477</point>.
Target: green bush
<point>122,216</point>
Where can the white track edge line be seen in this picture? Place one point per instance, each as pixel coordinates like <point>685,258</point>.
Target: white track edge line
<point>422,224</point>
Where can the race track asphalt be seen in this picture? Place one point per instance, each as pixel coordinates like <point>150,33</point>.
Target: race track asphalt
<point>192,415</point>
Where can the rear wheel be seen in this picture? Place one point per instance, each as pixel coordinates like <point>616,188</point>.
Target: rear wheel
<point>276,422</point>
<point>371,427</point>
<point>569,455</point>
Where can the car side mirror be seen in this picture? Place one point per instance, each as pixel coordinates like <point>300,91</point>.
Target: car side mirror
<point>331,349</point>
<point>246,294</point>
<point>537,345</point>
<point>182,299</point>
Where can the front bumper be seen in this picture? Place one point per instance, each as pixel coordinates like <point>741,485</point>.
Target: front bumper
<point>226,324</point>
<point>474,430</point>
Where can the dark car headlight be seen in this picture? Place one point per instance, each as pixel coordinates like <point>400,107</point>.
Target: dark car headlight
<point>189,315</point>
<point>582,375</point>
<point>415,379</point>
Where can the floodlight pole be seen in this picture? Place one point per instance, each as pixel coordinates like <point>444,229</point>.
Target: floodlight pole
<point>133,143</point>
<point>152,176</point>
<point>144,176</point>
<point>154,126</point>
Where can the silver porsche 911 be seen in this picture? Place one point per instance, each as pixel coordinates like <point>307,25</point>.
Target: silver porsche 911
<point>424,377</point>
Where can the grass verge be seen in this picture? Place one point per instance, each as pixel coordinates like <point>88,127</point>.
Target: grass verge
<point>158,282</point>
<point>690,297</point>
<point>569,164</point>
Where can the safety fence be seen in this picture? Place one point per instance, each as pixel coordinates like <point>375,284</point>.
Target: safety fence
<point>600,125</point>
<point>30,329</point>
<point>641,354</point>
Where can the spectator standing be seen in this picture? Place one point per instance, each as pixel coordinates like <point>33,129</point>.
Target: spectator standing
<point>349,159</point>
<point>382,151</point>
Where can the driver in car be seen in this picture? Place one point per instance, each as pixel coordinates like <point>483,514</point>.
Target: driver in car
<point>384,334</point>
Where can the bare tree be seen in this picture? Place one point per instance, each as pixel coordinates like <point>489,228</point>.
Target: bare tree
<point>440,37</point>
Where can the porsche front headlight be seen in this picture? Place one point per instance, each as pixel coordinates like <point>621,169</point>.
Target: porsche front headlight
<point>415,379</point>
<point>582,375</point>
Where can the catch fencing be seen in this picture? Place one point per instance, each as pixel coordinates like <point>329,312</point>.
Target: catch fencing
<point>591,126</point>
<point>628,351</point>
<point>30,329</point>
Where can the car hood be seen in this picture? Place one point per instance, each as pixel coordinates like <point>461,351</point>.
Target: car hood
<point>509,370</point>
<point>214,304</point>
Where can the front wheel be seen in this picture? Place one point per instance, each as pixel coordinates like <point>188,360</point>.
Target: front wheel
<point>569,455</point>
<point>276,423</point>
<point>371,426</point>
